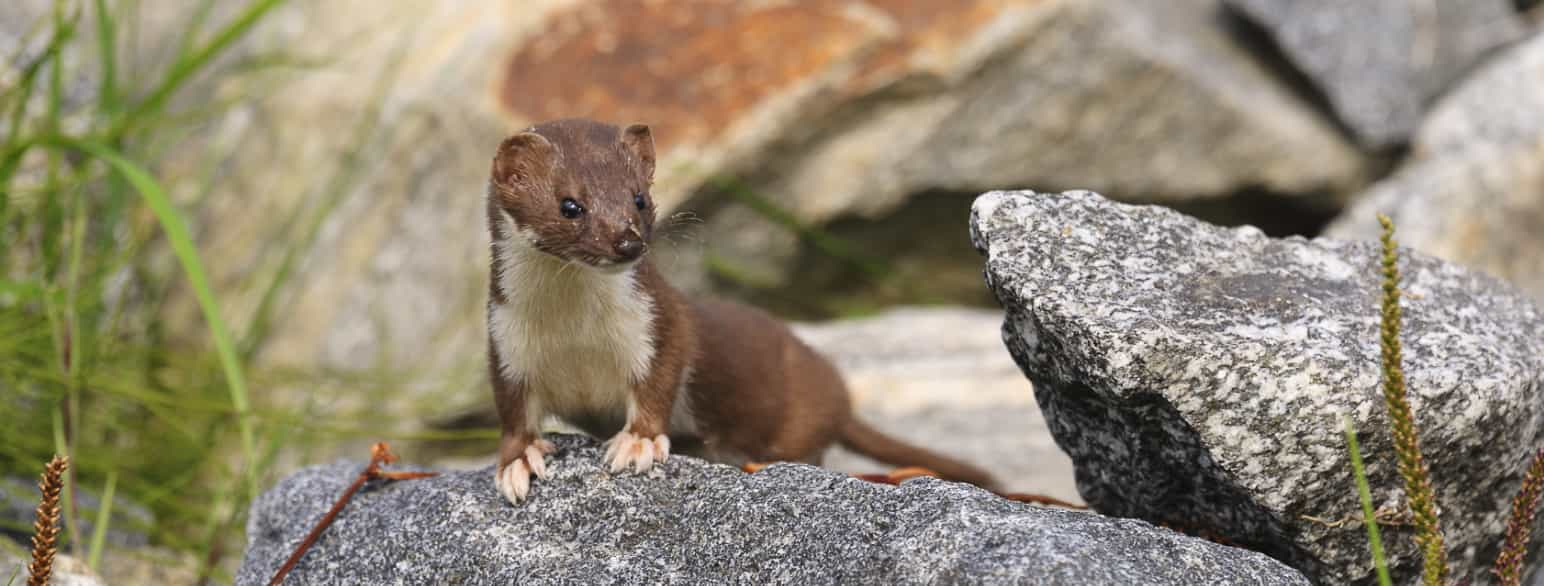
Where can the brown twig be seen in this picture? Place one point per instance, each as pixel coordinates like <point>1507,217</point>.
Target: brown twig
<point>900,475</point>
<point>45,530</point>
<point>1383,516</point>
<point>1040,499</point>
<point>380,455</point>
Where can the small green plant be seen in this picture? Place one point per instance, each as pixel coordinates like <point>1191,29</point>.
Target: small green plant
<point>86,369</point>
<point>1369,516</point>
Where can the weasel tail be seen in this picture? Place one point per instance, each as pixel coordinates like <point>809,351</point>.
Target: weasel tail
<point>859,437</point>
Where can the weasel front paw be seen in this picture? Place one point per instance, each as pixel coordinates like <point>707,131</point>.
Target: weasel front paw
<point>513,478</point>
<point>626,449</point>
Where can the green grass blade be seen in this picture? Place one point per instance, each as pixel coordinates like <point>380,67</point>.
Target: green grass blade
<point>187,254</point>
<point>104,516</point>
<point>189,64</point>
<point>107,52</point>
<point>1369,516</point>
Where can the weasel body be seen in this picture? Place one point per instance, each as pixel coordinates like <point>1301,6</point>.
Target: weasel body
<point>582,326</point>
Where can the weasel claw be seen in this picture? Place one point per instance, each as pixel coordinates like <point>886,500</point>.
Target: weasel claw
<point>514,481</point>
<point>533,456</point>
<point>630,451</point>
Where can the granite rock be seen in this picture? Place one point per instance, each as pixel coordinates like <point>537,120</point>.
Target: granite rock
<point>1472,190</point>
<point>1381,62</point>
<point>690,522</point>
<point>1197,376</point>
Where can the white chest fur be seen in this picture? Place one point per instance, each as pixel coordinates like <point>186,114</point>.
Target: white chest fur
<point>576,337</point>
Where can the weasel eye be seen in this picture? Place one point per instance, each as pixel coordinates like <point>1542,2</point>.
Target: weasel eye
<point>570,208</point>
<point>639,201</point>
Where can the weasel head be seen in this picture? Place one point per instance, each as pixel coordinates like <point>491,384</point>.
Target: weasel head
<point>577,190</point>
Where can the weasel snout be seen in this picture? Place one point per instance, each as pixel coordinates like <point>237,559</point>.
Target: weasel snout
<point>630,245</point>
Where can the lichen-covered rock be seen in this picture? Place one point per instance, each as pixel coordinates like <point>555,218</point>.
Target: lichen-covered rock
<point>689,522</point>
<point>1197,376</point>
<point>1380,62</point>
<point>1473,189</point>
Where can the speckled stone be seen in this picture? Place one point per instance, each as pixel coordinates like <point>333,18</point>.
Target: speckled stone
<point>1197,375</point>
<point>697,523</point>
<point>1380,62</point>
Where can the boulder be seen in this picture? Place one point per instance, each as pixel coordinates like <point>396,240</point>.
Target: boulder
<point>690,522</point>
<point>1473,189</point>
<point>1381,62</point>
<point>1197,376</point>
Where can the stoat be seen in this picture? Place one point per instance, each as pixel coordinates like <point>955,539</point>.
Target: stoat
<point>582,326</point>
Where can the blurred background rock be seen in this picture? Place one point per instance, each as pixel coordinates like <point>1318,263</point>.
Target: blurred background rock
<point>818,158</point>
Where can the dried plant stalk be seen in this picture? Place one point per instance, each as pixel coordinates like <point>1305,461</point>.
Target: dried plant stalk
<point>1407,445</point>
<point>380,455</point>
<point>45,530</point>
<point>1519,525</point>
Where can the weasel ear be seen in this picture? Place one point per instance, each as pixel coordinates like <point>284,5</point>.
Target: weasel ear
<point>640,142</point>
<point>522,157</point>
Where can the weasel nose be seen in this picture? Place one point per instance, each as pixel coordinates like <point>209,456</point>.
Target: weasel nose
<point>629,248</point>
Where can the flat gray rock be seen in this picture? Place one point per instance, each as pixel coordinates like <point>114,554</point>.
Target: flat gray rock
<point>698,523</point>
<point>1473,190</point>
<point>1197,376</point>
<point>1380,62</point>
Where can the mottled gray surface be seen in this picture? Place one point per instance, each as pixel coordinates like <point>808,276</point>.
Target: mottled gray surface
<point>1380,62</point>
<point>1473,189</point>
<point>1197,374</point>
<point>694,523</point>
